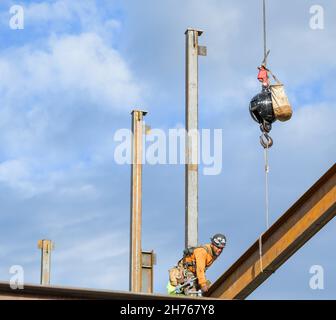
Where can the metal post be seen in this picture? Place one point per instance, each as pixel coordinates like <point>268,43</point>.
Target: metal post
<point>193,50</point>
<point>46,246</point>
<point>148,262</point>
<point>136,200</point>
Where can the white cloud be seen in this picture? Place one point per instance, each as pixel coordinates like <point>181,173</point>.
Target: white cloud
<point>86,190</point>
<point>43,91</point>
<point>16,174</point>
<point>81,64</point>
<point>44,11</point>
<point>233,35</point>
<point>97,262</point>
<point>311,125</point>
<point>61,16</point>
<point>94,249</point>
<point>13,170</point>
<point>29,178</point>
<point>61,94</point>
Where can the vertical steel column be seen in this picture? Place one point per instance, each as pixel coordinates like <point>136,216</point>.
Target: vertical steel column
<point>46,246</point>
<point>136,200</point>
<point>193,50</point>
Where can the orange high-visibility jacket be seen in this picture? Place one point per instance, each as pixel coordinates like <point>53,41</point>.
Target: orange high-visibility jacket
<point>202,258</point>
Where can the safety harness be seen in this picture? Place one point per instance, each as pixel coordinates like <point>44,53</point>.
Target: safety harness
<point>189,261</point>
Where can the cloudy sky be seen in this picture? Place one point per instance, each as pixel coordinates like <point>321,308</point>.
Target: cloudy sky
<point>68,82</point>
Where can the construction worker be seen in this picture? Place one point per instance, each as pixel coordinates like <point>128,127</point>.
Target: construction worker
<point>192,267</point>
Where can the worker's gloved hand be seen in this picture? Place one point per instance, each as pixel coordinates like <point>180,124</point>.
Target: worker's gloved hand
<point>204,288</point>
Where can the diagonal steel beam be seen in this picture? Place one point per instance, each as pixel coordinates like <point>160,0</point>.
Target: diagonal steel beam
<point>286,236</point>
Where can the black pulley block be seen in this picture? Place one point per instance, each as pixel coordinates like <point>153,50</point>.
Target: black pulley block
<point>261,109</point>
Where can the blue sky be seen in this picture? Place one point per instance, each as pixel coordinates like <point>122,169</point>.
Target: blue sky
<point>70,79</point>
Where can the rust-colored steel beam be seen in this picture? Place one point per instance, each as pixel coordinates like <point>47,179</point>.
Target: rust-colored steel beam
<point>287,235</point>
<point>148,262</point>
<point>46,247</point>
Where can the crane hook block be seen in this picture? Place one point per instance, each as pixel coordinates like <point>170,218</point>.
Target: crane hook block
<point>261,109</point>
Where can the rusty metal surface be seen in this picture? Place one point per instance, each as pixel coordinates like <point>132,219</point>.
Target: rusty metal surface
<point>287,235</point>
<point>136,201</point>
<point>34,292</point>
<point>202,51</point>
<point>148,261</point>
<point>46,247</point>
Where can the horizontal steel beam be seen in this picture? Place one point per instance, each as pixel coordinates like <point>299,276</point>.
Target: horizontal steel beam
<point>36,292</point>
<point>287,235</point>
